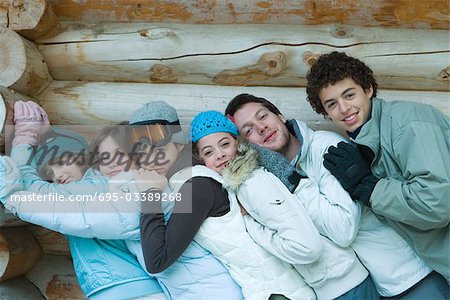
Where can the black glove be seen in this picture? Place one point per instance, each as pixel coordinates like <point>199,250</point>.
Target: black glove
<point>364,189</point>
<point>347,164</point>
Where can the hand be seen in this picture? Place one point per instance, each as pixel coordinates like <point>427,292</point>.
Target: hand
<point>30,122</point>
<point>146,180</point>
<point>347,164</point>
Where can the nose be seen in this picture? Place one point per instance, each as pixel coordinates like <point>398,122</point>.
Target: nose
<point>220,154</point>
<point>57,175</point>
<point>261,127</point>
<point>344,106</point>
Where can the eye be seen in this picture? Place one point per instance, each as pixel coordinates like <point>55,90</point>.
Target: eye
<point>331,105</point>
<point>248,131</point>
<point>49,174</point>
<point>263,116</point>
<point>225,144</point>
<point>207,153</point>
<point>103,157</point>
<point>349,95</point>
<point>120,154</point>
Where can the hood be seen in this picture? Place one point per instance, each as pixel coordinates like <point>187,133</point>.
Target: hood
<point>240,167</point>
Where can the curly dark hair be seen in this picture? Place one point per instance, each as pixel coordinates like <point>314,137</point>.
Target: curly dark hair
<point>334,67</point>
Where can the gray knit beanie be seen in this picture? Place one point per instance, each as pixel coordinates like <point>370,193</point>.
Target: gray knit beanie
<point>55,143</point>
<point>159,111</point>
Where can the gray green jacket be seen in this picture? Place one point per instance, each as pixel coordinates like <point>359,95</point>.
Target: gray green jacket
<point>411,143</point>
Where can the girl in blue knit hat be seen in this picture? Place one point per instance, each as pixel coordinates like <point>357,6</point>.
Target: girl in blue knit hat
<point>103,263</point>
<point>185,269</point>
<point>272,216</point>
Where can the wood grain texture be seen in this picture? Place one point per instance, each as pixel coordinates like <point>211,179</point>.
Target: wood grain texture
<point>22,66</point>
<point>242,55</point>
<point>84,103</point>
<point>32,18</point>
<point>432,14</point>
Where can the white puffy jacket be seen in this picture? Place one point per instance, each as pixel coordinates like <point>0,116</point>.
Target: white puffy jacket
<point>392,263</point>
<point>280,224</point>
<point>258,272</point>
<point>85,219</point>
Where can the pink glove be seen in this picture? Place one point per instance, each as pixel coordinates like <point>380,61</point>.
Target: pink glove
<point>30,122</point>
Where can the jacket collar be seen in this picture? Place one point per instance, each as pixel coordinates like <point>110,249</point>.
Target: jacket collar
<point>304,135</point>
<point>369,135</point>
<point>240,167</point>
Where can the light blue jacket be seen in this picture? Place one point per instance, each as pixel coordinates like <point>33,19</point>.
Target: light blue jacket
<point>100,265</point>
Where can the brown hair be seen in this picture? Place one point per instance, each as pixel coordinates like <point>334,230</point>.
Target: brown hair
<point>120,135</point>
<point>240,100</point>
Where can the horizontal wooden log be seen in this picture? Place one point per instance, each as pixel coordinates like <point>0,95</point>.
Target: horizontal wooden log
<point>51,242</point>
<point>244,55</point>
<point>22,67</point>
<point>7,219</point>
<point>20,288</point>
<point>99,103</point>
<point>390,13</point>
<point>31,18</point>
<point>55,277</point>
<point>19,251</point>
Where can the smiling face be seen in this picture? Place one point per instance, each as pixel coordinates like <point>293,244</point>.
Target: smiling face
<point>64,173</point>
<point>262,127</point>
<point>112,158</point>
<point>216,150</point>
<point>347,104</point>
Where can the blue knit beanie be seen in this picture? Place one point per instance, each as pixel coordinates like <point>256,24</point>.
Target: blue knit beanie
<point>62,141</point>
<point>208,122</point>
<point>159,111</point>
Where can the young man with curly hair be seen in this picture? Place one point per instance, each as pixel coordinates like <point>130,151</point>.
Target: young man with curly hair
<point>398,164</point>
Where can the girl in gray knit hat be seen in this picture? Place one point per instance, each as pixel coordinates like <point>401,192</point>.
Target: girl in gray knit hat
<point>185,269</point>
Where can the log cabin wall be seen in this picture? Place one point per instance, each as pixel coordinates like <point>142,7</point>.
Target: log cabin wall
<point>94,62</point>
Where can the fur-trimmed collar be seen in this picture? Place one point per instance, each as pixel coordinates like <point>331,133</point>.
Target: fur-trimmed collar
<point>240,167</point>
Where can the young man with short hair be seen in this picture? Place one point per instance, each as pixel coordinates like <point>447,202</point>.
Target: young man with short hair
<point>394,269</point>
<point>400,165</point>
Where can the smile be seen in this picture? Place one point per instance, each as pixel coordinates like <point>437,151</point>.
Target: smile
<point>224,164</point>
<point>350,119</point>
<point>270,136</point>
<point>113,173</point>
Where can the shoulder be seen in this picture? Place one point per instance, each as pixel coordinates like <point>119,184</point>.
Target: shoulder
<point>322,140</point>
<point>410,111</point>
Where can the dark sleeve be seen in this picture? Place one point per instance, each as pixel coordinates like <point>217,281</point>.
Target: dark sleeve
<point>163,244</point>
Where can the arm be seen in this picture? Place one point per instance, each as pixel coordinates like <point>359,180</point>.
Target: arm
<point>74,217</point>
<point>281,224</point>
<point>330,207</point>
<point>420,197</point>
<point>162,244</point>
<point>81,218</point>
